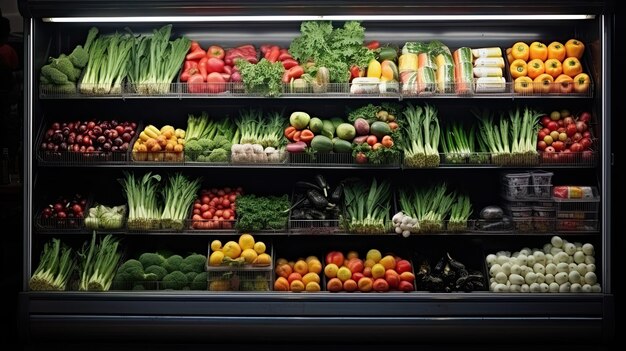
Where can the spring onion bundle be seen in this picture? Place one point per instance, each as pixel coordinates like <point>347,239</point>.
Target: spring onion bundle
<point>98,263</point>
<point>459,214</point>
<point>424,210</point>
<point>142,195</point>
<point>421,138</point>
<point>367,206</point>
<point>200,127</point>
<point>55,267</point>
<point>107,65</point>
<point>512,139</point>
<point>154,61</point>
<point>178,195</point>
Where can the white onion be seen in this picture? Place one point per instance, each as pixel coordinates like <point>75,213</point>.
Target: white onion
<point>555,250</point>
<point>495,269</point>
<point>579,257</point>
<point>576,288</point>
<point>574,277</point>
<point>539,268</point>
<point>551,268</point>
<point>588,249</point>
<point>525,288</point>
<point>530,278</point>
<point>501,288</point>
<point>564,287</point>
<point>530,260</point>
<point>596,288</point>
<point>554,287</point>
<point>516,269</point>
<point>547,248</point>
<point>540,278</point>
<point>517,288</point>
<point>492,287</point>
<point>535,288</point>
<point>591,278</point>
<point>582,269</point>
<point>561,278</point>
<point>590,260</point>
<point>506,268</point>
<point>591,267</point>
<point>549,278</point>
<point>562,267</point>
<point>586,288</point>
<point>501,278</point>
<point>569,248</point>
<point>556,241</point>
<point>544,288</point>
<point>516,279</point>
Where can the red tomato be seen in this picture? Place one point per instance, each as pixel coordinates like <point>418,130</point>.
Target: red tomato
<point>205,215</point>
<point>226,214</point>
<point>214,65</point>
<point>205,199</point>
<point>232,198</point>
<point>239,190</point>
<point>225,202</point>
<point>196,217</point>
<point>545,120</point>
<point>197,211</point>
<point>216,83</point>
<point>541,135</point>
<point>214,190</point>
<point>215,51</point>
<point>204,207</point>
<point>227,190</point>
<point>546,130</point>
<point>221,192</point>
<point>585,117</point>
<point>371,140</point>
<point>197,205</point>
<point>219,213</point>
<point>587,134</point>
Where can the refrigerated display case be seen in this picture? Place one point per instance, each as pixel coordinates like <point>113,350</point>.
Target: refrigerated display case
<point>54,27</point>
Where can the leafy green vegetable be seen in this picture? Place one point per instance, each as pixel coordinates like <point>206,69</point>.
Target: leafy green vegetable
<point>263,78</point>
<point>258,213</point>
<point>336,49</point>
<point>98,262</point>
<point>368,206</point>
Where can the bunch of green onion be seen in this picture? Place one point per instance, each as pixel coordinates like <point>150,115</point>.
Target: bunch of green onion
<point>98,263</point>
<point>255,128</point>
<point>144,212</point>
<point>55,267</point>
<point>421,137</point>
<point>178,195</point>
<point>428,206</point>
<point>460,212</point>
<point>367,207</point>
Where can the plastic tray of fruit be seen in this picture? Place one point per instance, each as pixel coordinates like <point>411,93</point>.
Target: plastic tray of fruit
<point>86,142</point>
<point>567,139</point>
<point>63,214</point>
<point>372,272</point>
<point>214,210</point>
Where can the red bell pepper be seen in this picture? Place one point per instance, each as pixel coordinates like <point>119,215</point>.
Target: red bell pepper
<point>288,63</point>
<point>292,73</point>
<point>196,54</point>
<point>194,46</point>
<point>373,45</point>
<point>265,48</point>
<point>297,135</point>
<point>289,132</point>
<point>284,56</point>
<point>274,53</point>
<point>189,64</point>
<point>306,135</point>
<point>202,67</point>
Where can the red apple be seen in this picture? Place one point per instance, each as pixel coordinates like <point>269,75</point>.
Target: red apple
<point>405,286</point>
<point>568,120</point>
<point>541,145</point>
<point>356,265</point>
<point>553,126</point>
<point>584,117</point>
<point>403,266</point>
<point>542,135</point>
<point>576,137</point>
<point>335,257</point>
<point>585,142</point>
<point>545,120</point>
<point>550,149</point>
<point>392,278</point>
<point>558,145</point>
<point>560,123</point>
<point>570,130</point>
<point>581,126</point>
<point>587,134</point>
<point>357,276</point>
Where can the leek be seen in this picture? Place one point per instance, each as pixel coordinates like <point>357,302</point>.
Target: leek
<point>98,263</point>
<point>141,193</point>
<point>460,212</point>
<point>178,195</point>
<point>55,267</point>
<point>367,207</point>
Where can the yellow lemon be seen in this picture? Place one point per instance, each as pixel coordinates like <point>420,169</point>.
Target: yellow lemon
<point>259,247</point>
<point>216,258</point>
<point>246,241</point>
<point>231,249</point>
<point>249,255</point>
<point>216,245</point>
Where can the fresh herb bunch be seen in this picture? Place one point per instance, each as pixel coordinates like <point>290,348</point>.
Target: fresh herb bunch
<point>336,49</point>
<point>258,212</point>
<point>264,77</point>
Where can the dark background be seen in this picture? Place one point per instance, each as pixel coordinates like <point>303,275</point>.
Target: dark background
<point>11,199</point>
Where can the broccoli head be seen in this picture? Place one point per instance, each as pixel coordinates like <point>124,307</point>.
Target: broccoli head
<point>218,155</point>
<point>206,144</point>
<point>130,271</point>
<point>151,259</point>
<point>193,146</point>
<point>159,271</point>
<point>193,263</point>
<point>173,263</point>
<point>176,280</point>
<point>191,276</point>
<point>199,282</point>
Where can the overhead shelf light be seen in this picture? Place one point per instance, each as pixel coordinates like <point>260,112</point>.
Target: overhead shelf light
<point>315,18</point>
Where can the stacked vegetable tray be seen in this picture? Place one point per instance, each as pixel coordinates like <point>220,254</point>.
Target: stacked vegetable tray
<point>158,64</point>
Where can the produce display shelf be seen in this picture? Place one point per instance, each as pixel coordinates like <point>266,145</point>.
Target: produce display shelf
<point>332,90</point>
